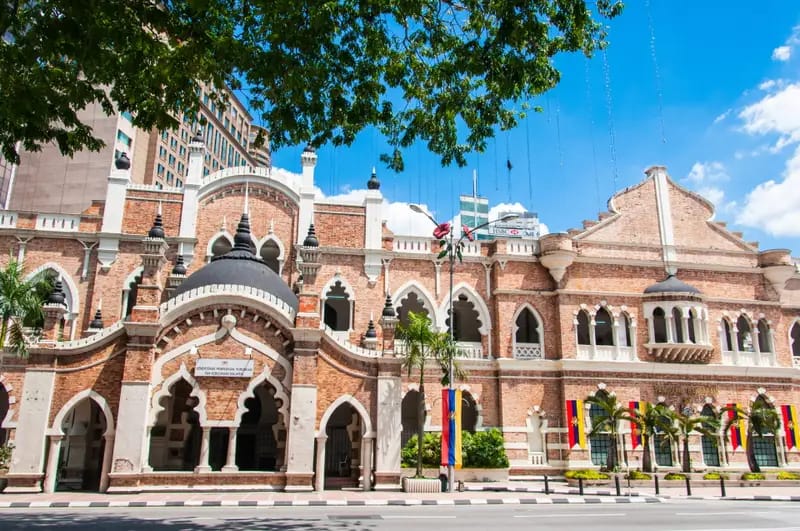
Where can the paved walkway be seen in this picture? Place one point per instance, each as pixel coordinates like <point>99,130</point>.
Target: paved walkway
<point>511,493</point>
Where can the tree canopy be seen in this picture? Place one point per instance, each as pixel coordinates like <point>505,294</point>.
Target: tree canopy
<point>444,72</point>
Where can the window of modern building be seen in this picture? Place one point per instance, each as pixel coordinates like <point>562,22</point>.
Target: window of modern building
<point>125,139</point>
<point>179,183</point>
<point>162,152</point>
<point>160,170</point>
<point>170,177</point>
<point>182,152</point>
<point>171,160</point>
<point>181,168</point>
<point>126,115</point>
<point>164,135</point>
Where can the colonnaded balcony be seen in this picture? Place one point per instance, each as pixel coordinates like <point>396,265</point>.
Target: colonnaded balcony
<point>745,343</point>
<point>603,335</point>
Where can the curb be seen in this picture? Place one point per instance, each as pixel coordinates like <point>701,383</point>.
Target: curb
<point>734,498</point>
<point>320,503</point>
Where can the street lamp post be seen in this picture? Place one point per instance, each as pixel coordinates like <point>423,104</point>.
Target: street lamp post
<point>445,232</point>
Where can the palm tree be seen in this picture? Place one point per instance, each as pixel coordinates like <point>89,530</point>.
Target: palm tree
<point>424,346</point>
<point>683,425</point>
<point>21,305</point>
<point>652,421</point>
<point>607,420</point>
<point>762,420</point>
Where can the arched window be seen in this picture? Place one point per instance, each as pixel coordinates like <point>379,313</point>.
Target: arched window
<point>795,339</point>
<point>130,291</point>
<point>599,443</point>
<point>764,343</point>
<point>677,322</point>
<point>466,320</point>
<point>259,430</point>
<point>583,328</point>
<point>409,416</point>
<point>176,437</point>
<point>764,446</point>
<point>659,326</point>
<point>691,326</point>
<point>410,303</point>
<point>527,327</point>
<point>337,308</point>
<point>221,246</point>
<point>625,332</point>
<point>744,337</point>
<point>727,335</point>
<point>710,444</point>
<point>270,254</point>
<point>662,445</point>
<point>603,328</point>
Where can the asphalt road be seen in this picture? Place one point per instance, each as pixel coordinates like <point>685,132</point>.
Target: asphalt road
<point>684,516</point>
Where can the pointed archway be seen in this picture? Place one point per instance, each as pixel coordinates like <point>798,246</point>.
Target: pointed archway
<point>344,456</point>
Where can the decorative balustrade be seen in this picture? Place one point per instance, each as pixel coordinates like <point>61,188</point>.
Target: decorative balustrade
<point>471,249</point>
<point>796,362</point>
<point>8,220</point>
<point>340,340</point>
<point>522,247</point>
<point>528,351</point>
<point>230,289</point>
<point>467,350</point>
<point>154,188</point>
<point>412,244</point>
<point>94,338</point>
<point>58,222</point>
<point>606,353</point>
<point>749,358</point>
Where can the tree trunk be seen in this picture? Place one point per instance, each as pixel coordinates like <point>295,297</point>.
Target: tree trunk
<point>647,460</point>
<point>420,425</point>
<point>611,460</point>
<point>687,463</point>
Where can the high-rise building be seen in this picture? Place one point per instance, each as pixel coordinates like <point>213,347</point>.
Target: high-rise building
<point>260,152</point>
<point>474,211</point>
<point>7,169</point>
<point>47,181</point>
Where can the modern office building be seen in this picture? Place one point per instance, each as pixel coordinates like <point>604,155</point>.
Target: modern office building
<point>259,148</point>
<point>183,348</point>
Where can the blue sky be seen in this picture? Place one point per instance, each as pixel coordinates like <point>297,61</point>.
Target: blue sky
<point>709,89</point>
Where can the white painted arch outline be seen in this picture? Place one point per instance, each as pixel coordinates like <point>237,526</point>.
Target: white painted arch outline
<point>181,374</point>
<point>539,329</point>
<point>280,394</point>
<point>224,234</point>
<point>353,401</point>
<point>332,282</point>
<point>6,422</point>
<point>473,296</point>
<point>69,284</point>
<point>424,297</point>
<point>91,394</point>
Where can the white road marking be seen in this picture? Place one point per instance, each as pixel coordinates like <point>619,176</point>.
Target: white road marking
<point>416,517</point>
<point>728,513</point>
<point>567,515</point>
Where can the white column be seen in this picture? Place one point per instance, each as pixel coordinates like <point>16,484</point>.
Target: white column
<point>670,322</point>
<point>51,473</point>
<point>616,338</point>
<point>108,450</point>
<point>319,478</point>
<point>111,229</point>
<point>131,438</point>
<point>300,443</point>
<point>30,435</point>
<point>366,462</point>
<point>390,427</point>
<point>685,327</point>
<point>305,215</point>
<point>592,340</point>
<point>202,465</point>
<point>230,462</point>
<point>191,190</point>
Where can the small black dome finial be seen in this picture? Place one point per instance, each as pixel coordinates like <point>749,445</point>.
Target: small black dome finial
<point>57,295</point>
<point>388,308</point>
<point>97,322</point>
<point>123,162</point>
<point>374,183</point>
<point>180,267</point>
<point>242,240</point>
<point>157,230</point>
<point>311,239</point>
<point>371,333</point>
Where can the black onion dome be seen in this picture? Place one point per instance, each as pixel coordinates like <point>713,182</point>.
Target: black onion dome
<point>388,308</point>
<point>671,284</point>
<point>309,149</point>
<point>198,136</point>
<point>97,322</point>
<point>371,333</point>
<point>374,183</point>
<point>240,267</point>
<point>180,267</point>
<point>311,239</point>
<point>157,230</point>
<point>57,295</point>
<point>123,162</point>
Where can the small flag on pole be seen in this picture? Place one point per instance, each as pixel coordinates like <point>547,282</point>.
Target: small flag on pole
<point>451,427</point>
<point>636,434</point>
<point>790,425</point>
<point>737,427</point>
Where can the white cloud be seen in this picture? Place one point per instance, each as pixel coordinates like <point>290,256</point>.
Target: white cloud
<point>775,206</point>
<point>707,172</point>
<point>782,53</point>
<point>722,116</point>
<point>775,113</point>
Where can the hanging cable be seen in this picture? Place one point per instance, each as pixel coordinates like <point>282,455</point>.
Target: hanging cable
<point>530,168</point>
<point>656,70</point>
<point>609,107</point>
<point>591,134</point>
<point>496,164</point>
<point>509,166</point>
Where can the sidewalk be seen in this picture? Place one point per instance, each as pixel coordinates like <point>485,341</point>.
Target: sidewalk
<point>510,493</point>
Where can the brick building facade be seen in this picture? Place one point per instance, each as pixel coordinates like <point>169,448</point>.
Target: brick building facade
<point>190,350</point>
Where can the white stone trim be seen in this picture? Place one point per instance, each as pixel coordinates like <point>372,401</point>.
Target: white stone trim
<point>254,176</point>
<point>257,299</point>
<point>220,234</point>
<point>74,302</point>
<point>539,329</point>
<point>91,394</point>
<point>353,401</point>
<point>422,292</point>
<point>462,288</point>
<point>281,255</point>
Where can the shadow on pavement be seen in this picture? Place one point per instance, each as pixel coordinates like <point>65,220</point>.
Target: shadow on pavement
<point>123,522</point>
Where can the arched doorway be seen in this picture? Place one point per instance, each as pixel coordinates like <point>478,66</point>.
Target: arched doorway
<point>261,436</point>
<point>176,436</point>
<point>466,322</point>
<point>469,412</point>
<point>80,461</point>
<point>4,405</point>
<point>337,308</point>
<point>409,416</point>
<point>347,456</point>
